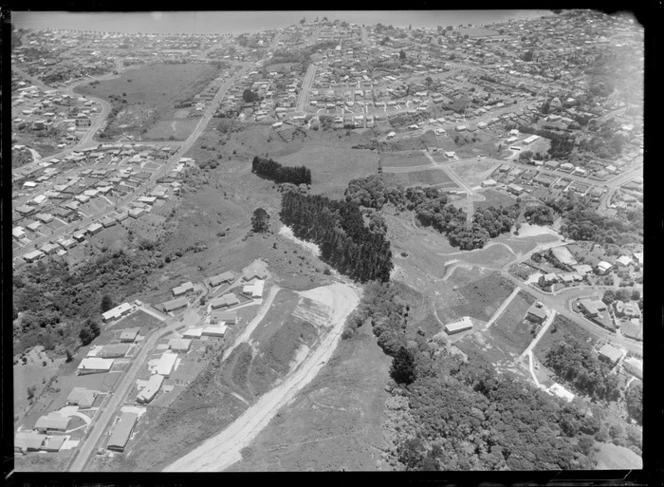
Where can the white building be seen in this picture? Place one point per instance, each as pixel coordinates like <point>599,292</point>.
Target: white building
<point>166,364</point>
<point>94,365</point>
<point>150,390</point>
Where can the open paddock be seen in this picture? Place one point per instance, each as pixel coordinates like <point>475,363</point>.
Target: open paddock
<point>480,293</point>
<point>332,167</point>
<point>407,159</point>
<point>172,129</point>
<point>509,329</point>
<point>493,255</point>
<point>494,198</point>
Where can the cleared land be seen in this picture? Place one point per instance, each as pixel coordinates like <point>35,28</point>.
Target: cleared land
<point>509,331</point>
<point>408,159</point>
<point>335,422</point>
<point>151,93</point>
<point>474,172</point>
<point>332,167</point>
<point>417,178</point>
<point>494,198</point>
<point>224,449</point>
<point>479,294</point>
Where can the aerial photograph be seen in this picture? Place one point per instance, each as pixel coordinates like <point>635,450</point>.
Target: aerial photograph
<point>327,241</point>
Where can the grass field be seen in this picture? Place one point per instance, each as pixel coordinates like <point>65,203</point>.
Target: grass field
<point>151,93</point>
<point>332,167</point>
<point>173,129</point>
<point>492,256</point>
<point>494,198</point>
<point>474,172</point>
<point>479,295</point>
<point>419,178</point>
<point>510,329</point>
<point>408,159</point>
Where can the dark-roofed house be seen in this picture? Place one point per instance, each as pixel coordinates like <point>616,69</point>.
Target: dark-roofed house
<point>221,278</point>
<point>228,317</point>
<point>224,301</point>
<point>610,354</point>
<point>53,422</point>
<point>128,336</point>
<point>535,314</point>
<point>174,304</point>
<point>122,432</point>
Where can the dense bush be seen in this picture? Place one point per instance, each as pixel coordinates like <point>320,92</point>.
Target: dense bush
<point>274,171</point>
<point>574,363</point>
<point>338,228</point>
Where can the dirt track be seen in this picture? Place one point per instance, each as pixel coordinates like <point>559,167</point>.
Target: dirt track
<point>223,450</point>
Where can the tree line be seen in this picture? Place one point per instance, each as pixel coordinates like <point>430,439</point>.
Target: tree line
<point>338,228</point>
<point>272,170</point>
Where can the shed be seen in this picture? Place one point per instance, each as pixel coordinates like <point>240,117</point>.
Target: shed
<point>459,326</point>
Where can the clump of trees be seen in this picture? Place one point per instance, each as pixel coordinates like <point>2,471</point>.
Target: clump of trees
<point>431,209</point>
<point>250,96</point>
<point>634,402</point>
<point>539,215</point>
<point>575,364</point>
<point>338,228</point>
<point>260,220</point>
<point>274,171</point>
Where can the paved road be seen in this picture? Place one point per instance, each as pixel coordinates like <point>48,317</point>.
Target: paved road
<point>306,88</point>
<point>502,307</point>
<point>561,305</point>
<point>117,398</point>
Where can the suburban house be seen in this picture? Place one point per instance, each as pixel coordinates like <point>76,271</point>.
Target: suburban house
<point>150,390</point>
<point>610,354</point>
<point>536,314</point>
<point>129,335</point>
<point>94,365</point>
<point>221,278</point>
<point>183,289</point>
<point>122,431</point>
<point>117,312</point>
<point>53,421</point>
<point>82,397</point>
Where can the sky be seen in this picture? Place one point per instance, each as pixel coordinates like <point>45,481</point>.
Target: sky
<point>253,21</point>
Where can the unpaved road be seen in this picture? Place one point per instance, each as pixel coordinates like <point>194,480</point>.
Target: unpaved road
<point>223,450</point>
